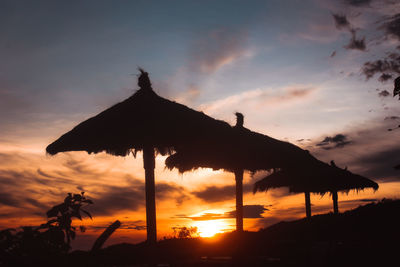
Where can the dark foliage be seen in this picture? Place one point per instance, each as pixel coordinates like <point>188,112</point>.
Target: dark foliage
<point>30,245</point>
<point>185,232</point>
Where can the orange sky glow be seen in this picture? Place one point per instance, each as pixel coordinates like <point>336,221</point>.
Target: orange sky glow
<point>116,186</point>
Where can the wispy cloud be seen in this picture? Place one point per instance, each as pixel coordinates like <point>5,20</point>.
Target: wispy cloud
<point>261,97</point>
<point>217,49</point>
<point>27,191</point>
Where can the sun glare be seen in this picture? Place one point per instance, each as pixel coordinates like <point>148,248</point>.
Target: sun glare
<point>210,228</point>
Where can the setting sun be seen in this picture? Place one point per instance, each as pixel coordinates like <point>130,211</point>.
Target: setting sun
<point>210,228</point>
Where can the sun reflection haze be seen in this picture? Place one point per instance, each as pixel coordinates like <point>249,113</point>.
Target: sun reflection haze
<point>211,227</point>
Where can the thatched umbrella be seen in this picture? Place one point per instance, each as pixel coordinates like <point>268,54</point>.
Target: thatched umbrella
<point>243,150</point>
<point>147,122</point>
<point>319,178</point>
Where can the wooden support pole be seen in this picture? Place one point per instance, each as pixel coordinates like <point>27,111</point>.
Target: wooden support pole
<point>239,200</point>
<point>308,204</point>
<point>335,202</point>
<point>149,164</point>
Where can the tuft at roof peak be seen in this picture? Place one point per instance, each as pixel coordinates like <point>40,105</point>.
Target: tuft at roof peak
<point>239,119</point>
<point>144,80</point>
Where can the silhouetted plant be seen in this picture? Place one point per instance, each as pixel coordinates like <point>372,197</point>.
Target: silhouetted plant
<point>185,232</point>
<point>50,238</point>
<point>61,216</point>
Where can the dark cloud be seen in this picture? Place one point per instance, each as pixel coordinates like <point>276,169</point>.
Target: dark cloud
<point>381,164</point>
<point>386,66</point>
<point>337,141</point>
<point>360,200</point>
<point>8,199</point>
<point>357,44</point>
<point>81,167</point>
<point>341,21</point>
<point>384,77</point>
<point>374,151</point>
<point>32,192</point>
<point>222,193</point>
<point>383,93</point>
<point>131,196</point>
<point>249,211</point>
<point>172,191</point>
<point>206,217</point>
<point>392,26</point>
<point>125,224</point>
<point>358,2</point>
<point>118,198</point>
<point>392,118</point>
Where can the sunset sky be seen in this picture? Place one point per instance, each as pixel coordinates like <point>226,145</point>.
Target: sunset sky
<point>293,68</point>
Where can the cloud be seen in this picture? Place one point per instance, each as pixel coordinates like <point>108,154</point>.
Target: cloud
<point>357,44</point>
<point>381,163</point>
<point>212,194</point>
<point>249,211</point>
<point>217,49</point>
<point>261,97</point>
<point>341,21</point>
<point>337,141</point>
<point>320,32</point>
<point>125,224</point>
<point>388,33</point>
<point>358,3</point>
<point>392,118</point>
<point>9,200</point>
<point>189,96</point>
<point>131,196</point>
<point>374,151</point>
<point>359,200</point>
<point>383,93</point>
<point>27,191</point>
<point>384,77</point>
<point>392,26</point>
<point>386,66</point>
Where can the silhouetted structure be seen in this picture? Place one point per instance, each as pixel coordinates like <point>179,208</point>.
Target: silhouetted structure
<point>147,122</point>
<point>396,90</point>
<point>318,178</point>
<point>105,235</point>
<point>242,150</point>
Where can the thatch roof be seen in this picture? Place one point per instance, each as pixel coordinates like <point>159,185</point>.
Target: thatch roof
<point>242,149</point>
<point>317,178</point>
<point>144,119</point>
